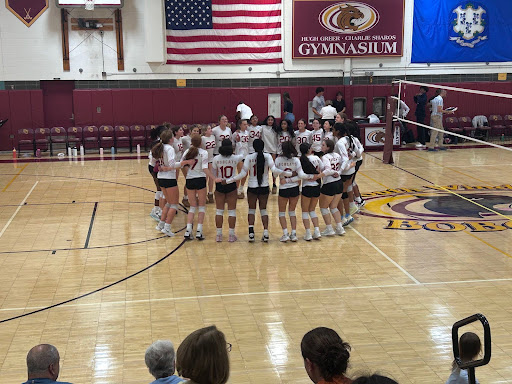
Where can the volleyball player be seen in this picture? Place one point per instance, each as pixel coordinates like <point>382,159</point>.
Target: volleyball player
<point>330,193</point>
<point>354,131</point>
<point>223,167</point>
<point>242,148</point>
<point>284,133</point>
<point>164,152</point>
<point>317,137</point>
<point>269,137</point>
<point>254,132</point>
<point>257,165</point>
<point>311,165</point>
<point>178,150</point>
<point>302,135</point>
<point>221,132</point>
<point>196,186</point>
<point>289,188</point>
<point>346,149</point>
<point>328,134</point>
<point>156,212</point>
<point>209,144</point>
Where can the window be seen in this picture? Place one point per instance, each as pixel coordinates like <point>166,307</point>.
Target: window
<point>379,106</point>
<point>359,107</point>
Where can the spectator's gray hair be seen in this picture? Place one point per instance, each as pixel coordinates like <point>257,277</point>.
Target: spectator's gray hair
<point>328,102</point>
<point>41,357</point>
<point>160,359</point>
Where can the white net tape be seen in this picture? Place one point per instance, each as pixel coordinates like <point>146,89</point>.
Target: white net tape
<point>89,5</point>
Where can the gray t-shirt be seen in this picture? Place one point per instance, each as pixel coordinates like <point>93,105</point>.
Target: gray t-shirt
<point>437,101</point>
<point>318,104</point>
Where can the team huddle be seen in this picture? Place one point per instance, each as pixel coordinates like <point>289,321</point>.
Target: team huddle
<point>319,166</point>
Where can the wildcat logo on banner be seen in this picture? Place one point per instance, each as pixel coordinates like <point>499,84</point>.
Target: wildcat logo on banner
<point>447,31</point>
<point>28,11</point>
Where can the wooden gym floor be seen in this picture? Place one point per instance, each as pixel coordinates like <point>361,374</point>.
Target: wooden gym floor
<point>393,293</point>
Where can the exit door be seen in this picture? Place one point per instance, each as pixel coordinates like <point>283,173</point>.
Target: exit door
<point>58,103</point>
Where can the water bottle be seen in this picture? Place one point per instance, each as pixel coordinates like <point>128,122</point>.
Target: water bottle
<point>82,150</point>
<point>38,152</point>
<point>101,151</point>
<point>112,150</point>
<point>14,154</point>
<point>502,137</point>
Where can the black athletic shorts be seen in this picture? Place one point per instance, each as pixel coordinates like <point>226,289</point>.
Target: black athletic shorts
<point>151,170</point>
<point>319,154</point>
<point>167,183</point>
<point>346,177</point>
<point>331,189</point>
<point>258,191</point>
<point>225,188</point>
<point>196,183</point>
<point>311,191</point>
<point>358,165</point>
<point>289,192</point>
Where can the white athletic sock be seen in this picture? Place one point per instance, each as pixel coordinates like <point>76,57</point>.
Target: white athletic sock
<point>219,231</point>
<point>167,227</point>
<point>161,223</point>
<point>231,231</point>
<point>317,229</point>
<point>328,226</point>
<point>265,232</point>
<point>294,232</point>
<point>199,227</point>
<point>189,228</point>
<point>240,189</point>
<point>285,231</point>
<point>357,199</point>
<point>308,231</point>
<point>339,225</point>
<point>185,197</point>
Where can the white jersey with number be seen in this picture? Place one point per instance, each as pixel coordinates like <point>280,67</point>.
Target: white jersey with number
<point>346,153</point>
<point>219,136</point>
<point>281,138</point>
<point>269,137</point>
<point>169,160</point>
<point>300,138</point>
<point>291,165</point>
<point>196,170</point>
<point>250,168</point>
<point>254,133</point>
<point>177,144</point>
<point>225,167</point>
<point>242,142</point>
<point>332,165</point>
<point>319,166</point>
<point>316,140</point>
<point>209,144</point>
<point>359,149</point>
<point>329,136</point>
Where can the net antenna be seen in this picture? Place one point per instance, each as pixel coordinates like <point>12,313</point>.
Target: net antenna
<point>89,5</point>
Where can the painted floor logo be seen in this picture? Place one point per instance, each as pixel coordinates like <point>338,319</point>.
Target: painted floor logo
<point>450,208</point>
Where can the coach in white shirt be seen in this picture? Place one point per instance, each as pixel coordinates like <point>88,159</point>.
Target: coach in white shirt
<point>243,111</point>
<point>436,120</point>
<point>328,112</point>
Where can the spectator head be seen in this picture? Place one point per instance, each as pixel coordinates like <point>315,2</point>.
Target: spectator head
<point>319,91</point>
<point>423,89</point>
<point>160,359</point>
<point>339,95</point>
<point>203,357</point>
<point>325,353</point>
<point>43,362</point>
<point>240,102</point>
<point>286,95</point>
<point>328,102</point>
<point>341,117</point>
<point>374,379</point>
<point>442,92</point>
<point>470,347</point>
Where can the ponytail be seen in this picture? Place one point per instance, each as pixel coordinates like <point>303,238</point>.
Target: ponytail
<point>258,146</point>
<point>306,164</point>
<point>157,151</point>
<point>193,151</point>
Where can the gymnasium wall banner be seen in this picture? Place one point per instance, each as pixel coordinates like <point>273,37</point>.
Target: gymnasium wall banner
<point>347,28</point>
<point>456,31</point>
<point>28,11</point>
<point>374,136</point>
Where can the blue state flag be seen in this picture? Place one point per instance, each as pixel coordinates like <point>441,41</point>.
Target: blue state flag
<point>454,31</point>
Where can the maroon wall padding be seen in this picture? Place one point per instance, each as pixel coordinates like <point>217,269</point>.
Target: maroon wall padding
<point>102,99</point>
<point>219,106</point>
<point>6,143</point>
<point>122,107</point>
<point>37,109</point>
<point>20,111</point>
<point>142,107</point>
<point>82,107</point>
<point>162,105</point>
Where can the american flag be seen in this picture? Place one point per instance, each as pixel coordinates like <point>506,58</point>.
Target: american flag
<point>203,32</point>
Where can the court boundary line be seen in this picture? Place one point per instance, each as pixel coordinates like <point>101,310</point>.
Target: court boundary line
<point>14,178</point>
<point>263,293</point>
<point>90,225</point>
<point>17,209</point>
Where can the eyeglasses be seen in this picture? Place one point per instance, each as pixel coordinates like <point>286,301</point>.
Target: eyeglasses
<point>229,346</point>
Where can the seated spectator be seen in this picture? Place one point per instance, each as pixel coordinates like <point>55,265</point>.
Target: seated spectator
<point>325,356</point>
<point>374,379</point>
<point>469,349</point>
<point>328,112</point>
<point>203,357</point>
<point>43,365</point>
<point>160,360</point>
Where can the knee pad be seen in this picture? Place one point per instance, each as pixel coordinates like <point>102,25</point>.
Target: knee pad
<point>282,214</point>
<point>157,195</point>
<point>291,213</point>
<point>219,212</point>
<point>175,207</point>
<point>167,205</point>
<point>325,211</point>
<point>312,214</point>
<point>349,189</point>
<point>252,211</point>
<point>232,213</point>
<point>192,209</point>
<point>344,195</point>
<point>263,212</point>
<point>202,209</point>
<point>334,210</point>
<point>305,215</point>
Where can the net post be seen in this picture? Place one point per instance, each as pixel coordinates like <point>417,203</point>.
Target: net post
<point>387,157</point>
